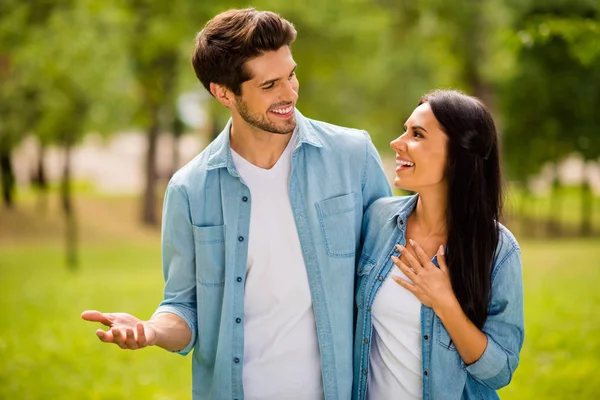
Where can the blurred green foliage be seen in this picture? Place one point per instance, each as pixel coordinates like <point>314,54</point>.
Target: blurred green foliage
<point>70,67</point>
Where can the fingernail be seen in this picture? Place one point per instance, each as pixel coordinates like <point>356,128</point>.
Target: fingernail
<point>442,249</point>
<point>399,247</point>
<point>394,258</point>
<point>412,242</point>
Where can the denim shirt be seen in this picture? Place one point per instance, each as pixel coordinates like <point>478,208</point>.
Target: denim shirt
<point>336,174</point>
<point>444,374</point>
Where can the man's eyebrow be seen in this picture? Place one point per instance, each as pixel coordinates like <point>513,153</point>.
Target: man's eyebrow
<point>268,82</point>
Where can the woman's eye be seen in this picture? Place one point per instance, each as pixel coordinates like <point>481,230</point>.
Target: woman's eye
<point>417,134</point>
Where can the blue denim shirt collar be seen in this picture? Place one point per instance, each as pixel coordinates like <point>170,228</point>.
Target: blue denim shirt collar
<point>404,211</point>
<point>220,156</point>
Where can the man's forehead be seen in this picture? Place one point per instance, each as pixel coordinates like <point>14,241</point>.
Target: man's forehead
<point>271,65</point>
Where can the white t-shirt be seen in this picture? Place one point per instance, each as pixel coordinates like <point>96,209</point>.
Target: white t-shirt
<point>395,357</point>
<point>281,352</point>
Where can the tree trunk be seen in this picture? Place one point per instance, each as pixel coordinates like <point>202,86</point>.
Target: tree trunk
<point>522,213</point>
<point>69,212</point>
<point>586,208</point>
<point>7,177</point>
<point>177,132</point>
<point>41,182</point>
<point>149,200</point>
<point>554,210</point>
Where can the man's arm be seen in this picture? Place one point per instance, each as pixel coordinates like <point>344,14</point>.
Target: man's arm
<point>375,183</point>
<point>173,326</point>
<point>128,332</point>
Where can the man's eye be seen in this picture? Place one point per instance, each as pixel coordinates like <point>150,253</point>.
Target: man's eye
<point>269,86</point>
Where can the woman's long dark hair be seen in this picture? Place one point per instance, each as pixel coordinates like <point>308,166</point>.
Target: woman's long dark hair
<point>474,196</point>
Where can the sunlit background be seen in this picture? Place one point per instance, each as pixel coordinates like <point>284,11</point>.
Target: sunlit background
<point>99,106</point>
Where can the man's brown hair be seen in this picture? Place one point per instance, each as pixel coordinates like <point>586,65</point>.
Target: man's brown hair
<point>234,37</point>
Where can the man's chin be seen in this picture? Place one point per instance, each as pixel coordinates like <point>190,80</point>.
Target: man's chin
<point>285,128</point>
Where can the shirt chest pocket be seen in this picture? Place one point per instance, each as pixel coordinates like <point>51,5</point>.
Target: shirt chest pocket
<point>337,221</point>
<point>209,244</point>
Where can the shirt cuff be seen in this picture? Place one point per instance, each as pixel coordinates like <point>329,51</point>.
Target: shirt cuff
<point>189,320</point>
<point>491,362</point>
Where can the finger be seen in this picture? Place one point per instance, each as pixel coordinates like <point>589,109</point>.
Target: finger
<point>423,257</point>
<point>406,285</point>
<point>119,337</point>
<point>410,274</point>
<point>441,258</point>
<point>130,339</point>
<point>141,335</point>
<point>410,259</point>
<point>96,316</point>
<point>105,336</point>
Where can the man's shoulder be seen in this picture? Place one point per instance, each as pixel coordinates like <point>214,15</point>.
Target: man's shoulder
<point>327,128</point>
<point>338,136</point>
<point>193,171</point>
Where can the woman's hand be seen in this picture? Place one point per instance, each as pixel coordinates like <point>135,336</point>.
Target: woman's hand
<point>430,284</point>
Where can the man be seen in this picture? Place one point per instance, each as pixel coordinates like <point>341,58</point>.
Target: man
<point>260,231</point>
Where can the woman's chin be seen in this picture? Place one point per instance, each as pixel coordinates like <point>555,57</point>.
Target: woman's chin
<point>401,184</point>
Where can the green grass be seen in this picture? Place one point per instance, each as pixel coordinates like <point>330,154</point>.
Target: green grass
<point>561,355</point>
<point>48,352</point>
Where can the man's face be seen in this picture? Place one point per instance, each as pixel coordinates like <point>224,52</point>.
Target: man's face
<point>268,99</point>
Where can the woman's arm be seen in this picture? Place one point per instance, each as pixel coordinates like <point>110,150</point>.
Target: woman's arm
<point>491,354</point>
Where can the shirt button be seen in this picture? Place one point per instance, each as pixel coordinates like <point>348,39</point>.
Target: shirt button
<point>239,279</point>
<point>425,372</point>
<point>244,199</point>
<point>237,360</point>
<point>366,340</point>
<point>364,371</point>
<point>401,222</point>
<point>380,278</point>
<point>368,308</point>
<point>425,337</point>
<point>241,238</point>
<point>238,320</point>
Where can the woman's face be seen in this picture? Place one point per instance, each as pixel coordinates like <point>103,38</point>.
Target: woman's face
<point>420,151</point>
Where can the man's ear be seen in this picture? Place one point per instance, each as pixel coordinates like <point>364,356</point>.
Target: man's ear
<point>221,93</point>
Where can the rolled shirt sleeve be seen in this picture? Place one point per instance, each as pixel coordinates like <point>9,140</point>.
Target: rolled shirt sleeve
<point>504,326</point>
<point>178,261</point>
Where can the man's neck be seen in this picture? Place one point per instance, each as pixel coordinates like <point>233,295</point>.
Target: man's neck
<point>256,146</point>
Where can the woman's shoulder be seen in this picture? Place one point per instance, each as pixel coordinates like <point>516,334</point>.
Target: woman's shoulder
<point>507,249</point>
<point>387,207</point>
<point>506,239</point>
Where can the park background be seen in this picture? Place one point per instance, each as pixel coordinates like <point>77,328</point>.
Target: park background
<point>99,105</point>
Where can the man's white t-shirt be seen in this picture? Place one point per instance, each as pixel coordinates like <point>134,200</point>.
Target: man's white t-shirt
<point>281,352</point>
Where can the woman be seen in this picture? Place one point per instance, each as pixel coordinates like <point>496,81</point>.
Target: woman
<point>439,295</point>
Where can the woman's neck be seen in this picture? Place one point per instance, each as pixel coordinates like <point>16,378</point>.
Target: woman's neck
<point>430,214</point>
